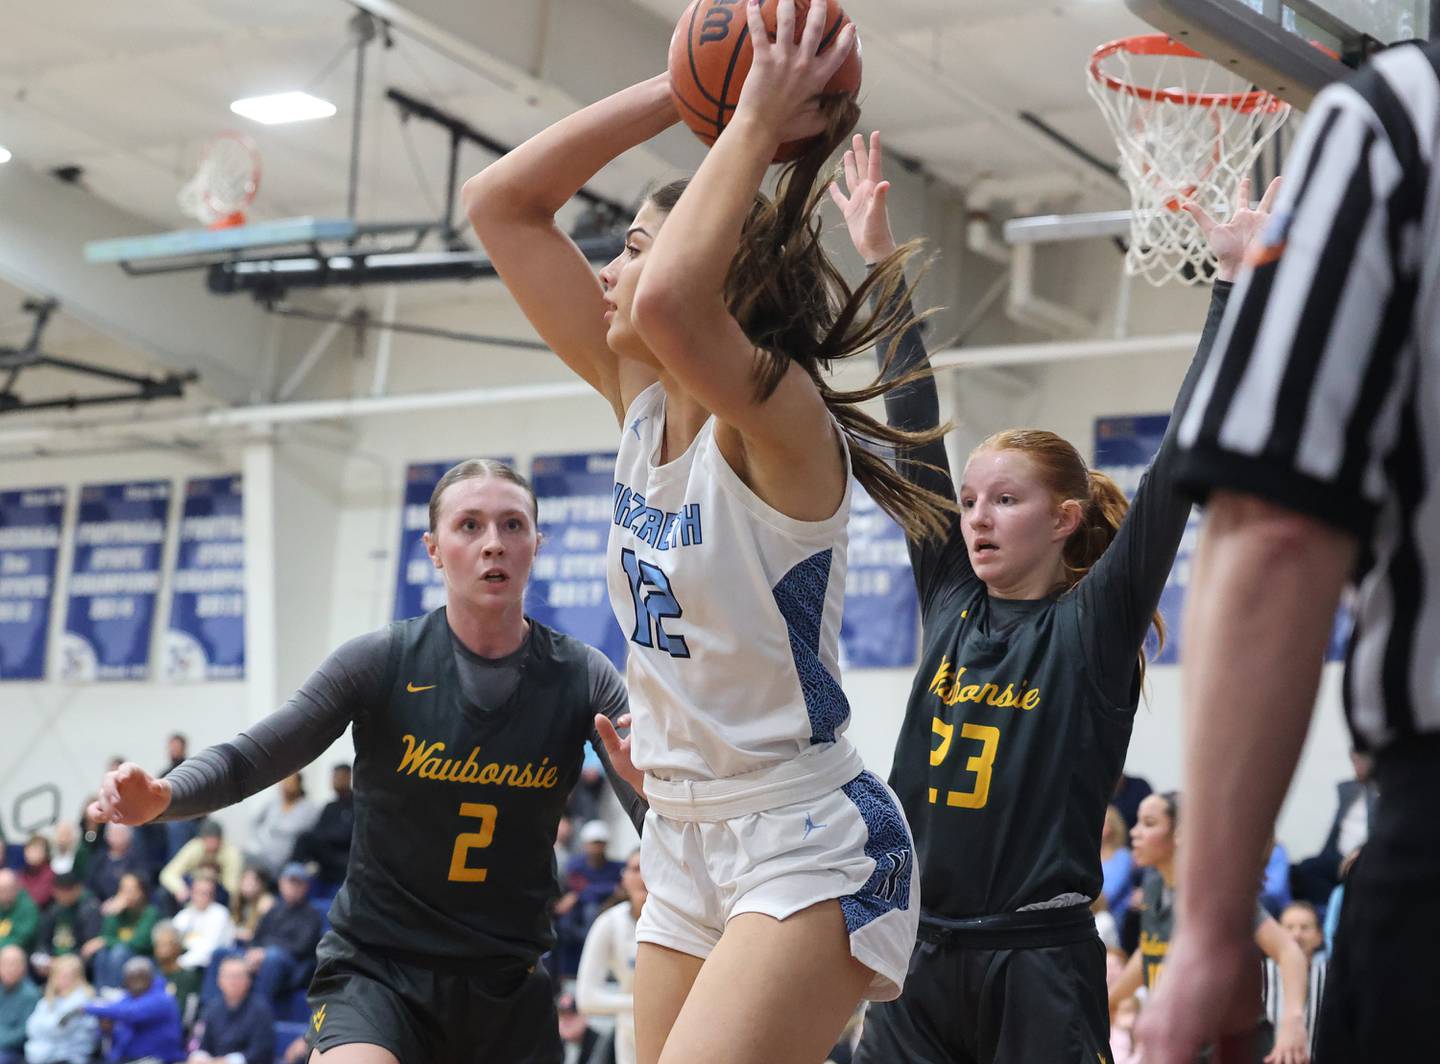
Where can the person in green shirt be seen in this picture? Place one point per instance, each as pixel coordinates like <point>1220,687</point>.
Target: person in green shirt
<point>19,917</point>
<point>18,996</point>
<point>125,932</point>
<point>183,983</point>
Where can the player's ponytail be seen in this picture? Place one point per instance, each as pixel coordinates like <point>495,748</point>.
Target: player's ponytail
<point>1103,504</point>
<point>796,307</point>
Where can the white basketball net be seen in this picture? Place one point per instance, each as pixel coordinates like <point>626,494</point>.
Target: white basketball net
<point>225,182</point>
<point>1187,130</point>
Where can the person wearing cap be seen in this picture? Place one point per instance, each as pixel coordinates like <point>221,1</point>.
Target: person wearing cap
<point>590,879</point>
<point>281,956</point>
<point>72,920</point>
<point>146,1019</point>
<point>207,847</point>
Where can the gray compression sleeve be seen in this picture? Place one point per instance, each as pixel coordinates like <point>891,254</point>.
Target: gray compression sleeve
<point>608,696</point>
<point>287,740</point>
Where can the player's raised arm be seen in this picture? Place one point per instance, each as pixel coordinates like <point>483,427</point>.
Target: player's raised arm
<point>513,202</point>
<point>681,309</point>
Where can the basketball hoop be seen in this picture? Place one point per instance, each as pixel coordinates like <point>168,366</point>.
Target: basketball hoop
<point>1187,130</point>
<point>225,182</point>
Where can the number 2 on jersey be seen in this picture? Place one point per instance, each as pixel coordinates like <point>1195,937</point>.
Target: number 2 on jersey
<point>980,764</point>
<point>460,871</point>
<point>654,603</point>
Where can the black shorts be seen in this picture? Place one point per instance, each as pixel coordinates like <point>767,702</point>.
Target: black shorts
<point>996,999</point>
<point>424,1012</point>
<point>1383,983</point>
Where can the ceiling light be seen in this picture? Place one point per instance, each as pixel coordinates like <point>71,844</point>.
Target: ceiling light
<point>4,155</point>
<point>283,107</point>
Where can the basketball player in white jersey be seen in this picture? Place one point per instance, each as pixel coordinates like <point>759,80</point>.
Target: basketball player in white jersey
<point>780,872</point>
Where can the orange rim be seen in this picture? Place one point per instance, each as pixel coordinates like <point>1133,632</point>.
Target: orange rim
<point>1158,44</point>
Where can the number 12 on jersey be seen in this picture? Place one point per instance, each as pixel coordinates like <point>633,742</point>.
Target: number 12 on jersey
<point>989,738</point>
<point>654,604</point>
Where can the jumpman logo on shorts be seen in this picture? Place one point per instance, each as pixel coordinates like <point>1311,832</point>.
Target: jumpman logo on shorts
<point>810,826</point>
<point>635,425</point>
<point>897,866</point>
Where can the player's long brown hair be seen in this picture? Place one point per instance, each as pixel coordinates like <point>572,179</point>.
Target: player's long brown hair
<point>796,307</point>
<point>1103,504</point>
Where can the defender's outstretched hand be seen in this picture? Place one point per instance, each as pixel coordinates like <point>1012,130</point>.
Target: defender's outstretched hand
<point>130,795</point>
<point>1229,240</point>
<point>863,201</point>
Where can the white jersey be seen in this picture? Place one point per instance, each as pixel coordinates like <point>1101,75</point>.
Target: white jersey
<point>732,610</point>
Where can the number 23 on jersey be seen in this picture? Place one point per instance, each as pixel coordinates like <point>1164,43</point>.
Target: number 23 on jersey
<point>979,763</point>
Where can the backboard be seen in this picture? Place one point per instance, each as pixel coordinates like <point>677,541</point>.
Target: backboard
<point>1293,48</point>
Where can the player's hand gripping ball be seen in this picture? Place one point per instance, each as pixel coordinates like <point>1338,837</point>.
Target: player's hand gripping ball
<point>710,55</point>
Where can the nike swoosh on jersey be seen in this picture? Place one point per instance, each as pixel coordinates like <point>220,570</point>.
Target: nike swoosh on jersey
<point>416,690</point>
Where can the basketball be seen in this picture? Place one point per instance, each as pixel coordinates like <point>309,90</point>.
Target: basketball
<point>710,55</point>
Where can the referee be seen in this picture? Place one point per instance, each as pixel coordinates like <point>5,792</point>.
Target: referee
<point>1315,435</point>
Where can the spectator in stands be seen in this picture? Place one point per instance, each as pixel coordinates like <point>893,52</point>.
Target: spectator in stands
<point>146,1020</point>
<point>607,963</point>
<point>177,747</point>
<point>72,920</point>
<point>327,844</point>
<point>579,1038</point>
<point>175,833</point>
<point>249,905</point>
<point>1130,791</point>
<point>282,955</point>
<point>204,925</point>
<point>584,802</point>
<point>239,1028</point>
<point>65,850</point>
<point>37,878</point>
<point>1302,923</point>
<point>18,996</point>
<point>125,931</point>
<point>1337,899</point>
<point>1275,894</point>
<point>1117,866</point>
<point>207,848</point>
<point>183,984</point>
<point>1315,877</point>
<point>590,878</point>
<point>91,839</point>
<point>60,1031</point>
<point>19,915</point>
<point>1122,1032</point>
<point>285,816</point>
<point>119,858</point>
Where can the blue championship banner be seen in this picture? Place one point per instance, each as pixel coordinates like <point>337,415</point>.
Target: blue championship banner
<point>30,525</point>
<point>880,629</point>
<point>206,636</point>
<point>567,586</point>
<point>419,587</point>
<point>1124,447</point>
<point>114,581</point>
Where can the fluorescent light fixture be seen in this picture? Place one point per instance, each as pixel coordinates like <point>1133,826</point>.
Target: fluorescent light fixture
<point>4,155</point>
<point>283,107</point>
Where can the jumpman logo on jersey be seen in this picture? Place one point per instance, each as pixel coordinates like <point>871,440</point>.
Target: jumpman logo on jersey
<point>635,425</point>
<point>896,867</point>
<point>810,826</point>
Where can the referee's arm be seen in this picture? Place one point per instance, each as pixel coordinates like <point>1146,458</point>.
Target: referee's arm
<point>1314,346</point>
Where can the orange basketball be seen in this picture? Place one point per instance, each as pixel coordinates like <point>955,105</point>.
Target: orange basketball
<point>710,55</point>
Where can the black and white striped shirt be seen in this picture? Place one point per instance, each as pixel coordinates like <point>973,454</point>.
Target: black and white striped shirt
<point>1324,392</point>
<point>1274,993</point>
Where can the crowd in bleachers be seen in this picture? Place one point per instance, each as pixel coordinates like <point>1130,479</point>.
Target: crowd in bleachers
<point>169,942</point>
